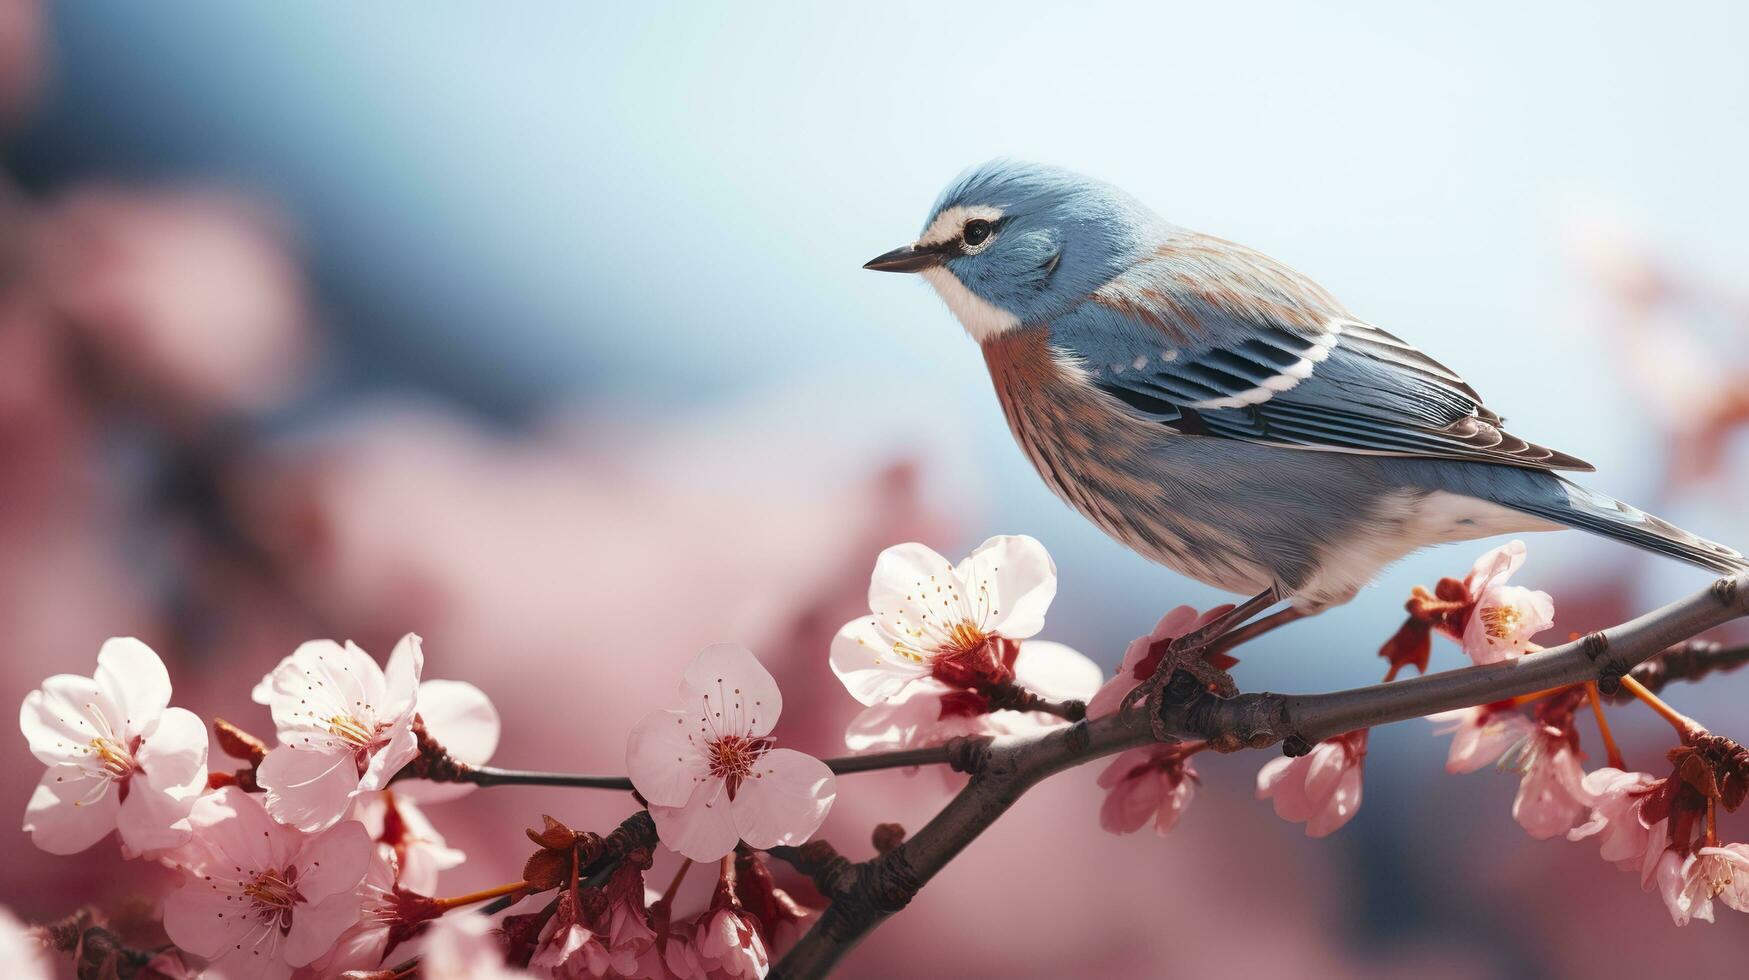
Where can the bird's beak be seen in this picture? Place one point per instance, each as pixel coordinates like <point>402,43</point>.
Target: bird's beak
<point>908,258</point>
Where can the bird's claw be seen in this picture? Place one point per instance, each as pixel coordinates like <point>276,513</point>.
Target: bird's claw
<point>1182,676</point>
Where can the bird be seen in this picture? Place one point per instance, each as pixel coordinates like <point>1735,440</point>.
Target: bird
<point>1223,415</point>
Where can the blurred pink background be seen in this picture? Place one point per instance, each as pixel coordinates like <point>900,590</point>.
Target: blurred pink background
<point>233,416</point>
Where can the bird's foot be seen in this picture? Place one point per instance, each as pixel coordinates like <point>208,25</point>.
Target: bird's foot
<point>1189,667</point>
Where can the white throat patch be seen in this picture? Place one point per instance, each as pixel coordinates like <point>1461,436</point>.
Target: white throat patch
<point>981,318</point>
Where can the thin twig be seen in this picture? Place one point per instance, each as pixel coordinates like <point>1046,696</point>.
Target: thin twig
<point>865,894</point>
<point>872,762</point>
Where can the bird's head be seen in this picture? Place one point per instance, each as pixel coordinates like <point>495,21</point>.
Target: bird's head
<point>1011,243</point>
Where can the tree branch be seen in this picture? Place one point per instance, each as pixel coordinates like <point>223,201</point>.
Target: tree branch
<point>864,894</point>
<point>494,776</point>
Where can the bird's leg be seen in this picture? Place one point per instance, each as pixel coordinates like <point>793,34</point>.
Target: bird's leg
<point>1252,630</point>
<point>1187,653</point>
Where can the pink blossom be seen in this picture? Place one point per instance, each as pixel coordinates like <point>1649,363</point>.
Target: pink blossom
<point>1505,617</point>
<point>1688,884</point>
<point>569,949</point>
<point>626,924</point>
<point>119,757</point>
<point>345,728</point>
<point>465,947</point>
<point>1139,663</point>
<point>364,944</point>
<point>1552,798</point>
<point>260,898</point>
<point>1481,735</point>
<point>729,945</point>
<point>709,771</point>
<point>928,616</point>
<point>929,712</point>
<point>1616,798</point>
<point>680,957</point>
<point>1321,788</point>
<point>22,950</point>
<point>1152,782</point>
<point>399,825</point>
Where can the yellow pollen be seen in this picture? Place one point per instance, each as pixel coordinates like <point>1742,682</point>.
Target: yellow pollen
<point>116,761</point>
<point>964,637</point>
<point>269,888</point>
<point>350,730</point>
<point>1500,621</point>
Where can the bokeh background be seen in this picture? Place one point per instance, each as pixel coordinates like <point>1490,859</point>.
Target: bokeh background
<point>540,330</point>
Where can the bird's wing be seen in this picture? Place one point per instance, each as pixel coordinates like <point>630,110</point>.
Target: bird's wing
<point>1210,338</point>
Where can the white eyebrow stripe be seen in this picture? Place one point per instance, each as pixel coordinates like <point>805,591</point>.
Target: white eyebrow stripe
<point>1285,381</point>
<point>947,225</point>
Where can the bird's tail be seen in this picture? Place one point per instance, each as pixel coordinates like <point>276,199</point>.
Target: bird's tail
<point>1600,514</point>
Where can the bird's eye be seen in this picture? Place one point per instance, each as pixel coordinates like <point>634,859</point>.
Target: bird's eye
<point>977,230</point>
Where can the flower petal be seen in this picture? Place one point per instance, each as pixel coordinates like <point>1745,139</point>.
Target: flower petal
<point>786,800</point>
<point>1056,671</point>
<point>317,926</point>
<point>135,681</point>
<point>57,818</point>
<point>334,861</point>
<point>173,754</point>
<point>232,829</point>
<point>703,829</point>
<point>401,677</point>
<point>1494,567</point>
<point>1283,782</point>
<point>664,758</point>
<point>385,762</point>
<point>202,919</point>
<point>55,719</point>
<point>307,789</point>
<point>1020,579</point>
<point>730,686</point>
<point>871,670</point>
<point>319,680</point>
<point>465,722</point>
<point>1341,806</point>
<point>172,759</point>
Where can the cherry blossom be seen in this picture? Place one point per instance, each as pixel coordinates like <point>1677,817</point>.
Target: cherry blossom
<point>119,757</point>
<point>1616,818</point>
<point>1505,617</point>
<point>626,923</point>
<point>569,949</point>
<point>465,947</point>
<point>1552,797</point>
<point>364,944</point>
<point>398,824</point>
<point>1155,782</point>
<point>21,951</point>
<point>929,712</point>
<point>1321,788</point>
<point>1481,735</point>
<point>727,936</point>
<point>929,617</point>
<point>710,772</point>
<point>1688,884</point>
<point>680,957</point>
<point>1140,660</point>
<point>345,728</point>
<point>260,898</point>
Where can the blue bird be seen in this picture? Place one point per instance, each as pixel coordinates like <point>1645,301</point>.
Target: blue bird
<point>1225,416</point>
